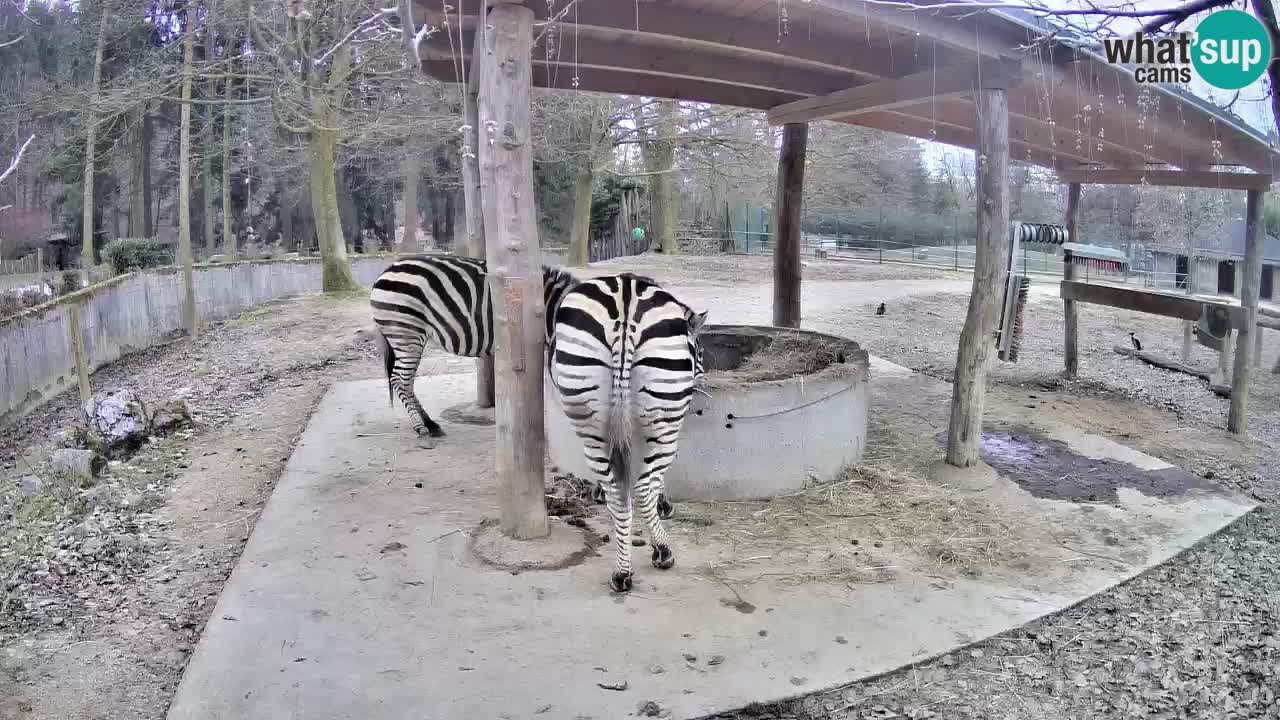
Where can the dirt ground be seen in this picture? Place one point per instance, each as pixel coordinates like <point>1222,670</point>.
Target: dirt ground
<point>101,602</point>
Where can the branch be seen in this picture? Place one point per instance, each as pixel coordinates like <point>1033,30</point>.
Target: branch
<point>14,41</point>
<point>17,158</point>
<point>358,28</point>
<point>1182,12</point>
<point>1267,14</point>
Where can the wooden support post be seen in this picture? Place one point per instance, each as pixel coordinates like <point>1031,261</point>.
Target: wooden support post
<point>1257,349</point>
<point>1071,313</point>
<point>76,334</point>
<point>990,254</point>
<point>786,209</point>
<point>1237,417</point>
<point>515,266</point>
<point>475,245</point>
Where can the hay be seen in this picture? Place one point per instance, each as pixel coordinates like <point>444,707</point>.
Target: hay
<point>786,357</point>
<point>863,528</point>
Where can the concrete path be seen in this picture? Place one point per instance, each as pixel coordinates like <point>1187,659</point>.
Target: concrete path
<point>360,595</point>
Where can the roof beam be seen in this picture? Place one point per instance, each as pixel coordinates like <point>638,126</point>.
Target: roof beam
<point>609,80</point>
<point>1168,178</point>
<point>626,55</point>
<point>895,92</point>
<point>689,28</point>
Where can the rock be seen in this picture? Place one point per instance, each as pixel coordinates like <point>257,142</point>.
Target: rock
<point>81,466</point>
<point>82,438</point>
<point>91,546</point>
<point>121,418</point>
<point>103,496</point>
<point>30,485</point>
<point>170,415</point>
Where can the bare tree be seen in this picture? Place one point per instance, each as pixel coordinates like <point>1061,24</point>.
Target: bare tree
<point>90,146</point>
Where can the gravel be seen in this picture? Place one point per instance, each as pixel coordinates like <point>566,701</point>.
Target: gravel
<point>1198,637</point>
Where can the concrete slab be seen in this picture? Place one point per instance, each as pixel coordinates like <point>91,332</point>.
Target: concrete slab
<point>360,595</point>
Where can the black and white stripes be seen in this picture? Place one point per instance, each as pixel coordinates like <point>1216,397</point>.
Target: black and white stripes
<point>446,298</point>
<point>626,362</point>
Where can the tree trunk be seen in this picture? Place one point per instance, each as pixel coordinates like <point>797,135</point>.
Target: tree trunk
<point>662,184</point>
<point>412,168</point>
<point>228,223</point>
<point>87,258</point>
<point>788,200</point>
<point>580,238</point>
<point>475,240</point>
<point>515,268</point>
<point>992,179</point>
<point>336,265</point>
<point>209,146</point>
<point>139,202</point>
<point>184,183</point>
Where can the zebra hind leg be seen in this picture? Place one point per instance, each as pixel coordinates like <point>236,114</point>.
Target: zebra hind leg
<point>666,510</point>
<point>649,497</point>
<point>402,368</point>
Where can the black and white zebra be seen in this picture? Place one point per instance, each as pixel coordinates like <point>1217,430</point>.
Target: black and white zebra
<point>446,298</point>
<point>625,357</point>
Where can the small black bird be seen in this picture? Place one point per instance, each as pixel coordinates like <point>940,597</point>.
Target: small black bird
<point>880,310</point>
<point>1137,344</point>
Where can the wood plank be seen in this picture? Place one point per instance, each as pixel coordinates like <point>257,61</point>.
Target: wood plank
<point>891,93</point>
<point>475,245</point>
<point>787,205</point>
<point>672,29</point>
<point>1062,94</point>
<point>1027,127</point>
<point>1238,415</point>
<point>1071,314</point>
<point>956,33</point>
<point>992,182</point>
<point>515,268</point>
<point>1175,306</point>
<point>959,136</point>
<point>1168,178</point>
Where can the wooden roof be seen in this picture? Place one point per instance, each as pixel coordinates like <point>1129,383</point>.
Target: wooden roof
<point>871,65</point>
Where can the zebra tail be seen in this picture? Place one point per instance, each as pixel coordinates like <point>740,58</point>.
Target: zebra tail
<point>389,364</point>
<point>618,435</point>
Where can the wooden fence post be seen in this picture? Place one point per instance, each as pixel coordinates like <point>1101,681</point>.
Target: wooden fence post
<point>787,204</point>
<point>990,253</point>
<point>81,357</point>
<point>515,265</point>
<point>1070,311</point>
<point>475,245</point>
<point>1238,416</point>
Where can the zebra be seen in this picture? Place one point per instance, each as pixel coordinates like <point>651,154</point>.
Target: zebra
<point>625,353</point>
<point>445,297</point>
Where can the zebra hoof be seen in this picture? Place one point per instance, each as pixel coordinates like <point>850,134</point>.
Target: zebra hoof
<point>621,581</point>
<point>665,509</point>
<point>637,542</point>
<point>663,558</point>
<point>426,442</point>
<point>597,494</point>
<point>436,432</point>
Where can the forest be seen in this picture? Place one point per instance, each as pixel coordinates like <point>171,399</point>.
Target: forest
<point>251,128</point>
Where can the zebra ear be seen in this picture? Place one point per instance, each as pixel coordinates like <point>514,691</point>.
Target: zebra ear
<point>696,321</point>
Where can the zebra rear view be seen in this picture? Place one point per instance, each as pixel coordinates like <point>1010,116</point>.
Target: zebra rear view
<point>444,297</point>
<point>625,359</point>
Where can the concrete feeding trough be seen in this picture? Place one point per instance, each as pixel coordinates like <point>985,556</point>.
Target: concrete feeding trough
<point>785,407</point>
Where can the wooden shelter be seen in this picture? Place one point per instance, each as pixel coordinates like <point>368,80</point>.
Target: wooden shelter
<point>1002,83</point>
